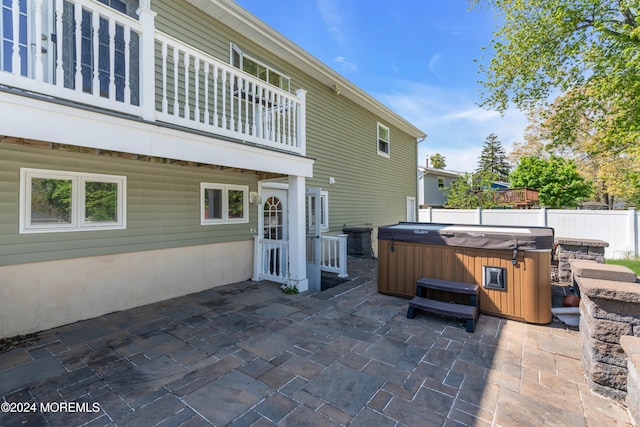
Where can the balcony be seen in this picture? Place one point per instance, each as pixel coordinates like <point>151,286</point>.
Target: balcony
<point>84,52</point>
<point>521,198</point>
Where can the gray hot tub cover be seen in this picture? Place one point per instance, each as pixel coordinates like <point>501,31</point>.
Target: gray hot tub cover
<point>470,236</point>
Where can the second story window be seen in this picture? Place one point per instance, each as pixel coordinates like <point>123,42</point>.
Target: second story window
<point>128,7</point>
<point>256,68</point>
<point>383,140</point>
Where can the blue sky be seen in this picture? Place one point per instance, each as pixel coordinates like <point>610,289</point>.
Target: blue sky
<point>415,56</point>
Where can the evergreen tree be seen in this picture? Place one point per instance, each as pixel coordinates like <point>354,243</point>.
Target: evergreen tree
<point>493,160</point>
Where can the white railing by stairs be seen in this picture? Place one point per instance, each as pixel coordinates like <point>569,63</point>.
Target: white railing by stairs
<point>271,257</point>
<point>333,254</point>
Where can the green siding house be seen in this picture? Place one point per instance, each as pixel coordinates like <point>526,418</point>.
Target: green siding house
<point>152,149</point>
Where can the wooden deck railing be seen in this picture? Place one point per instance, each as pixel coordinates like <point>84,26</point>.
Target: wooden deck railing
<point>516,197</point>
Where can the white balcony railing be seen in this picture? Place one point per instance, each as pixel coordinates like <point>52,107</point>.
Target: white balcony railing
<point>202,92</point>
<point>83,51</point>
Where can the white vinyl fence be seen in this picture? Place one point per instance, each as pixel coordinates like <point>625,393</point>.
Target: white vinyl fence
<point>618,228</point>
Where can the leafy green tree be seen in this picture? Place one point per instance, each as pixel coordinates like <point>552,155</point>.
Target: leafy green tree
<point>469,192</point>
<point>493,160</point>
<point>615,175</point>
<point>438,161</point>
<point>557,180</point>
<point>587,50</point>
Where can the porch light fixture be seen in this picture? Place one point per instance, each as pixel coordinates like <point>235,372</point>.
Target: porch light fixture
<point>254,198</point>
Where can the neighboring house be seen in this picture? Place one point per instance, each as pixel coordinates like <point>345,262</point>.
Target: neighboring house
<point>149,151</point>
<point>433,184</point>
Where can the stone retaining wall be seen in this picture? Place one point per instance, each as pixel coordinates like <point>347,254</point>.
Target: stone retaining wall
<point>609,309</point>
<point>631,346</point>
<point>568,249</point>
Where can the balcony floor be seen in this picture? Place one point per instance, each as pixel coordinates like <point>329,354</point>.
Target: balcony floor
<point>247,354</point>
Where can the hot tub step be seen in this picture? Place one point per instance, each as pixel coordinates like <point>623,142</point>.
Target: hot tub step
<point>460,311</point>
<point>448,286</point>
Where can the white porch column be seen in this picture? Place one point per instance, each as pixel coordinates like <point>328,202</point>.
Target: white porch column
<point>147,61</point>
<point>297,235</point>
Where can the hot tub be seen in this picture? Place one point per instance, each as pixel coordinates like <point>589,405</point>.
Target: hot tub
<point>512,265</point>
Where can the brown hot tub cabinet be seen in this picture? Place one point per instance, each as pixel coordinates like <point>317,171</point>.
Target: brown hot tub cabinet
<point>511,265</point>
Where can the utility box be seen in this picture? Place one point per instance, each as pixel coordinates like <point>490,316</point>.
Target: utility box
<point>511,265</point>
<point>359,241</point>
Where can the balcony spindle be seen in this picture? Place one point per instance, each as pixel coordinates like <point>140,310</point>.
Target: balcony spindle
<point>176,89</point>
<point>223,87</point>
<point>16,64</point>
<point>165,103</point>
<point>39,67</point>
<point>231,81</point>
<point>112,59</point>
<point>206,93</point>
<point>187,85</point>
<point>254,106</point>
<point>95,60</point>
<point>246,106</point>
<point>277,118</point>
<point>59,65</point>
<point>78,41</point>
<point>127,64</point>
<point>215,95</point>
<point>196,72</point>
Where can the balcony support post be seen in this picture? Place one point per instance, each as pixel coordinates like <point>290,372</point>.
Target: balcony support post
<point>147,61</point>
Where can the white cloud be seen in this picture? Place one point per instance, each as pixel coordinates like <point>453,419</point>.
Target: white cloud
<point>456,127</point>
<point>330,13</point>
<point>473,114</point>
<point>435,65</point>
<point>345,65</point>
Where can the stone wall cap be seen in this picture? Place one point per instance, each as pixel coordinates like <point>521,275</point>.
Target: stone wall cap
<point>630,344</point>
<point>607,289</point>
<point>594,270</point>
<point>570,241</point>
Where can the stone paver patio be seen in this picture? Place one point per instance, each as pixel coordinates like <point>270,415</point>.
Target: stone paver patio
<point>249,355</point>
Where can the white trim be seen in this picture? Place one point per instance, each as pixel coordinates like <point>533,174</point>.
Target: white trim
<point>324,211</point>
<point>224,218</point>
<point>77,220</point>
<point>411,209</point>
<point>41,120</point>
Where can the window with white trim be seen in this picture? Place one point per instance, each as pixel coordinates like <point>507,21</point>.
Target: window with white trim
<point>440,182</point>
<point>324,213</point>
<point>55,201</point>
<point>383,140</point>
<point>223,203</point>
<point>258,69</point>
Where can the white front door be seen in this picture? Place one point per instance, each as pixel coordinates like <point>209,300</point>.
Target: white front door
<point>274,214</point>
<point>274,223</point>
